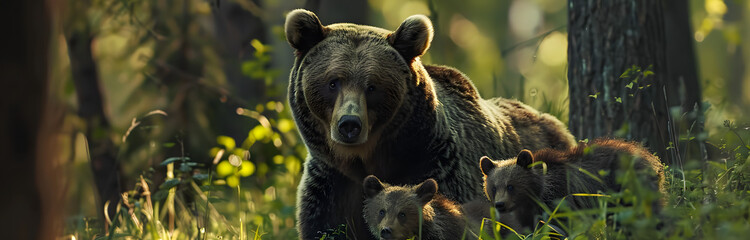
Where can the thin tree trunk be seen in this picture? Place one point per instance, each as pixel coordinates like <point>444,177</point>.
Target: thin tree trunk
<point>102,150</point>
<point>736,92</point>
<point>236,26</point>
<point>340,11</point>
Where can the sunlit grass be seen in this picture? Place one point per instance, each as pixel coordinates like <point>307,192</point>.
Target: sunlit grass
<point>200,203</point>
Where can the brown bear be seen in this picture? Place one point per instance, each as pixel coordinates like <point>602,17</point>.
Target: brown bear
<point>393,212</point>
<point>517,186</point>
<point>364,104</point>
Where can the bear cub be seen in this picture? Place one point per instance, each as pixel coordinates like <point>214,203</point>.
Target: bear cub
<point>515,186</point>
<point>392,212</point>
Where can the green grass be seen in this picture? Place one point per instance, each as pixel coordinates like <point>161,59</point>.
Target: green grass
<point>248,192</point>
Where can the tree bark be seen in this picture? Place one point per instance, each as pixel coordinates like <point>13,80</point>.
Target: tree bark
<point>23,68</point>
<point>102,150</point>
<point>607,37</point>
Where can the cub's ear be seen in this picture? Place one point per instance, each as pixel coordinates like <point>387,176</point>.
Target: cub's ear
<point>372,186</point>
<point>525,158</point>
<point>486,164</point>
<point>426,190</point>
<point>303,29</point>
<point>413,37</point>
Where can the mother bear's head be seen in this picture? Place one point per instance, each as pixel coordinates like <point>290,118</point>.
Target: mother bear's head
<point>355,79</point>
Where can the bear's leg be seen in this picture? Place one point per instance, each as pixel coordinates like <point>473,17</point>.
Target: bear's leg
<point>313,203</point>
<point>326,199</point>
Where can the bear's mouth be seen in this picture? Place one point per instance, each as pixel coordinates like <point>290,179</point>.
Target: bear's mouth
<point>507,210</point>
<point>351,141</point>
<point>363,148</point>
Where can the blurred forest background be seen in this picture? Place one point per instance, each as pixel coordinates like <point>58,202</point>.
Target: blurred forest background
<point>181,104</point>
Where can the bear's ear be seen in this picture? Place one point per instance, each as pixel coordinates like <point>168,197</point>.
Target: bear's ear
<point>413,37</point>
<point>486,164</point>
<point>303,29</point>
<point>426,190</point>
<point>525,158</point>
<point>372,186</point>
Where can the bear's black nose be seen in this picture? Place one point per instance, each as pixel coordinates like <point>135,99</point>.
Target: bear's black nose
<point>349,128</point>
<point>385,233</point>
<point>500,206</point>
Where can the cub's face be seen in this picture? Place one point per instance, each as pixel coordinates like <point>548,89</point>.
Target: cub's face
<point>510,184</point>
<point>355,78</point>
<point>392,212</point>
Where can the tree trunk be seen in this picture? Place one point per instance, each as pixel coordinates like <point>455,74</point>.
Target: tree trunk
<point>682,73</point>
<point>24,70</point>
<point>236,26</point>
<point>606,38</point>
<point>681,67</point>
<point>102,150</point>
<point>340,11</point>
<point>736,92</point>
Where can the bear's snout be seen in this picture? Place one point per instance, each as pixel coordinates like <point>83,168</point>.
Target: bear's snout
<point>349,128</point>
<point>386,233</point>
<point>500,206</point>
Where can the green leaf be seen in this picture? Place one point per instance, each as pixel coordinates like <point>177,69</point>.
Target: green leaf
<point>630,85</point>
<point>168,144</point>
<point>618,99</point>
<point>625,74</point>
<point>648,73</point>
<point>161,195</point>
<point>200,176</point>
<point>170,183</point>
<point>174,159</point>
<point>185,168</point>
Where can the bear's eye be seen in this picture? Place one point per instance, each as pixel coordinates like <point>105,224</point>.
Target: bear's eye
<point>494,189</point>
<point>401,215</point>
<point>333,84</point>
<point>510,188</point>
<point>371,89</point>
<point>382,213</point>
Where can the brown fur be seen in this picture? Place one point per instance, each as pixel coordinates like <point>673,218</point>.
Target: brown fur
<point>517,189</point>
<point>392,212</point>
<point>476,212</point>
<point>418,122</point>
